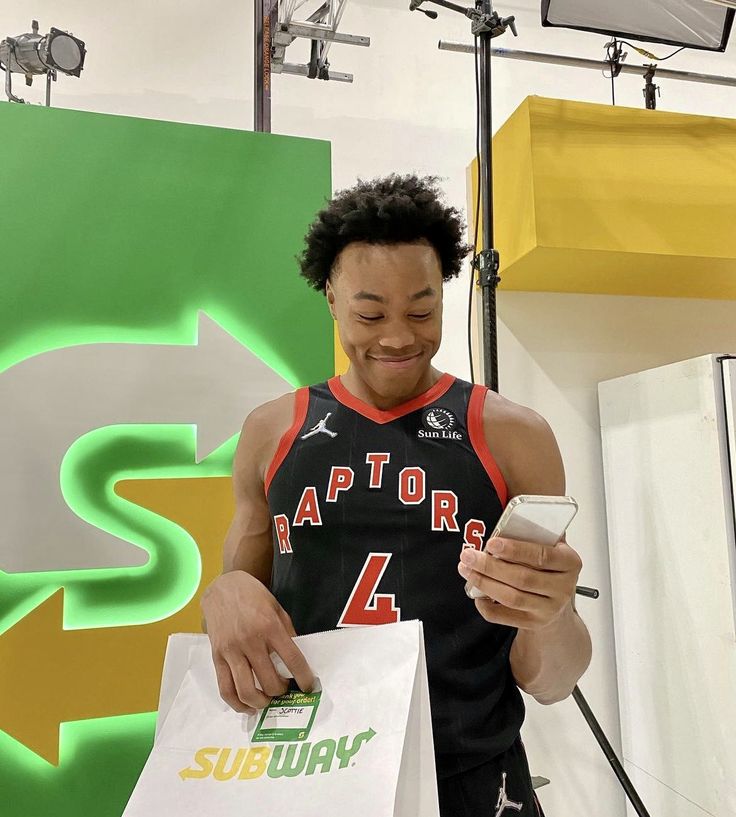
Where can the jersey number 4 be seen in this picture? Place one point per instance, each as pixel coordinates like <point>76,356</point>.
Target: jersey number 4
<point>365,606</point>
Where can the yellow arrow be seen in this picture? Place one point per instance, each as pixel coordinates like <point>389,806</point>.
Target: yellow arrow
<point>49,675</point>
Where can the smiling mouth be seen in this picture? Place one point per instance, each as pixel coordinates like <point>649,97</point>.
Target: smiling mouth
<point>397,361</point>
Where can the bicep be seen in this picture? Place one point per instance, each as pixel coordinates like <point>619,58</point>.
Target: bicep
<point>539,468</point>
<point>525,450</point>
<point>248,544</point>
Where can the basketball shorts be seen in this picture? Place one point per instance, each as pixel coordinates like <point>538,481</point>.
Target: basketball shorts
<point>501,787</point>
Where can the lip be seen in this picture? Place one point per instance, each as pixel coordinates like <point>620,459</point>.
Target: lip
<point>398,362</point>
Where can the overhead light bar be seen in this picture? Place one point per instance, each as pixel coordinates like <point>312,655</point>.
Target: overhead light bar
<point>35,54</point>
<point>701,24</point>
<point>595,65</point>
<point>730,4</point>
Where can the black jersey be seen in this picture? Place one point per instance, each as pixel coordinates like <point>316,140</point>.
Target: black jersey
<point>371,510</point>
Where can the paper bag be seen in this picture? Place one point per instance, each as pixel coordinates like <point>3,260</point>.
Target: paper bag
<point>360,746</point>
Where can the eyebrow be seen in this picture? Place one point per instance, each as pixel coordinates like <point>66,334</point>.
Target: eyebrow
<point>370,296</point>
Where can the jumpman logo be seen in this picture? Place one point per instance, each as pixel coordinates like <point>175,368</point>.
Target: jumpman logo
<point>320,428</point>
<point>503,802</point>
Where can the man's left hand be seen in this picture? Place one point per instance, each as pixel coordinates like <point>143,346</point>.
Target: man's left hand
<point>532,584</point>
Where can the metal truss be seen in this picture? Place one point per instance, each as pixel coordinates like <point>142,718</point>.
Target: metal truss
<point>276,28</point>
<point>320,25</point>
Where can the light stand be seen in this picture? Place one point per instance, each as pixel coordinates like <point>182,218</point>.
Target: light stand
<point>599,734</point>
<point>615,56</point>
<point>650,89</point>
<point>485,26</point>
<point>610,754</point>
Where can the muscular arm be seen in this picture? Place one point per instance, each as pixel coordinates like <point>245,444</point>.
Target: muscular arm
<point>548,660</point>
<point>245,622</point>
<point>248,544</point>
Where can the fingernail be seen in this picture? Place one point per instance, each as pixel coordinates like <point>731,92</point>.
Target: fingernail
<point>464,570</point>
<point>497,545</point>
<point>469,556</point>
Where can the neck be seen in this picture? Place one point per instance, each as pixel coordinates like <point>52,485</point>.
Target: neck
<point>363,391</point>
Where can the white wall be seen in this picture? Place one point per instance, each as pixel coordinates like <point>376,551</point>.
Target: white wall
<point>412,108</point>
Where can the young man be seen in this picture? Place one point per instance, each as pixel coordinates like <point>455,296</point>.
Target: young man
<point>355,499</point>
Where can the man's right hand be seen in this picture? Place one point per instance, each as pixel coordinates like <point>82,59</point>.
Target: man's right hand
<point>246,624</point>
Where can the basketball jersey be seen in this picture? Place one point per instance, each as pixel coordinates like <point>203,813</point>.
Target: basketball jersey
<point>371,510</point>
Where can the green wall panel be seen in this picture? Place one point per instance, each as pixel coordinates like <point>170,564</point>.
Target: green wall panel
<point>121,230</point>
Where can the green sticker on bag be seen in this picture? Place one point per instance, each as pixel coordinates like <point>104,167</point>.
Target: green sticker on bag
<point>288,717</point>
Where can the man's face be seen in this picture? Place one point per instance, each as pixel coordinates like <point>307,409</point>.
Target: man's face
<point>387,300</point>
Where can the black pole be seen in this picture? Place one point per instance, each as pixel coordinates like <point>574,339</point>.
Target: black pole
<point>486,24</point>
<point>488,260</point>
<point>650,89</point>
<point>266,18</point>
<point>608,751</point>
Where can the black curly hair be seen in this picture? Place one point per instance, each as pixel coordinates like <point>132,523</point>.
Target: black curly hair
<point>391,210</point>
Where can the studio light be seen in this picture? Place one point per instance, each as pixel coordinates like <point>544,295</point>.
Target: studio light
<point>702,24</point>
<point>36,54</point>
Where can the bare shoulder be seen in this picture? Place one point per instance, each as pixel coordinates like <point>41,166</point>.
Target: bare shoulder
<point>505,415</point>
<point>259,438</point>
<point>524,447</point>
<point>271,416</point>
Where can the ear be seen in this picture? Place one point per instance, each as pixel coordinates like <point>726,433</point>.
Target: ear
<point>330,294</point>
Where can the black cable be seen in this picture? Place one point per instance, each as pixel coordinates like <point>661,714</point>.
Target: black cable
<point>613,88</point>
<point>673,54</point>
<point>651,56</point>
<point>477,213</point>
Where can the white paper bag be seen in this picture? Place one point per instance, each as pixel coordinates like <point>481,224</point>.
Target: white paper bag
<point>362,746</point>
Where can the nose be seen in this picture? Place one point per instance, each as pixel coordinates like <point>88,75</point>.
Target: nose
<point>397,336</point>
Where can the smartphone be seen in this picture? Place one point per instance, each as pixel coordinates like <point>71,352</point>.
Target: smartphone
<point>539,519</point>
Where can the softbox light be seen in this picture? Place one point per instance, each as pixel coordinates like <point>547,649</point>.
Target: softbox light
<point>689,23</point>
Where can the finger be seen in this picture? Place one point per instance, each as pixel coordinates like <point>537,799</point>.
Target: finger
<point>226,685</point>
<point>530,579</point>
<point>242,673</point>
<point>560,557</point>
<point>295,661</point>
<point>286,621</point>
<point>510,597</point>
<point>271,682</point>
<point>498,614</point>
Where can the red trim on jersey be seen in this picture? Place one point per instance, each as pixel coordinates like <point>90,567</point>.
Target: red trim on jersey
<point>480,445</point>
<point>301,404</point>
<point>342,395</point>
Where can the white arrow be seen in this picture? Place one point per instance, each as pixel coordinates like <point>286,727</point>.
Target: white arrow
<point>50,400</point>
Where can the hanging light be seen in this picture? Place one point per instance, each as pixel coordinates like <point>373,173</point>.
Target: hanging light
<point>702,24</point>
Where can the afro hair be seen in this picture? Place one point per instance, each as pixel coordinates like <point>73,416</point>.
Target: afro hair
<point>391,210</point>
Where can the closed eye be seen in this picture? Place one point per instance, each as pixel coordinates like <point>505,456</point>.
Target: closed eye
<point>416,316</point>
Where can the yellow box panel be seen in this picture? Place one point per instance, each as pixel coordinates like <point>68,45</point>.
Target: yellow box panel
<point>600,199</point>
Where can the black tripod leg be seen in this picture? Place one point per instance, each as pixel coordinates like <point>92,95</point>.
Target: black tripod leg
<point>611,757</point>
